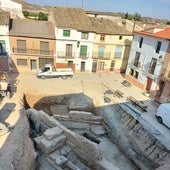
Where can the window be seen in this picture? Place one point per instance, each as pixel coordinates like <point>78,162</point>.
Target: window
<point>137,56</point>
<point>44,47</point>
<point>120,37</point>
<point>21,46</point>
<point>84,35</point>
<point>134,73</point>
<point>66,33</point>
<point>102,38</point>
<point>112,65</point>
<point>118,51</point>
<point>131,72</point>
<point>70,64</point>
<point>83,51</point>
<point>2,47</point>
<point>152,66</point>
<point>21,62</point>
<point>69,50</point>
<point>140,42</point>
<point>101,52</point>
<point>158,46</point>
<point>101,66</point>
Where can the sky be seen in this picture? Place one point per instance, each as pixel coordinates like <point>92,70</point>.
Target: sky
<point>146,8</point>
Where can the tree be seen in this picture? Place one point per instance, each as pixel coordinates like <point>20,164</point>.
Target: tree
<point>137,17</point>
<point>168,23</point>
<point>42,16</point>
<point>26,14</point>
<point>126,15</point>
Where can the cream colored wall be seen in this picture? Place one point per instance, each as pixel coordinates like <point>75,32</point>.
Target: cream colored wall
<point>110,43</point>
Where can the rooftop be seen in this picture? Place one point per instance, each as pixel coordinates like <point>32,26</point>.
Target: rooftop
<point>74,18</point>
<point>156,32</point>
<point>32,28</point>
<point>106,26</point>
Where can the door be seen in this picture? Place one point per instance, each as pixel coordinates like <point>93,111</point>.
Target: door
<point>149,83</point>
<point>112,65</point>
<point>100,66</point>
<point>82,66</point>
<point>94,66</point>
<point>33,64</point>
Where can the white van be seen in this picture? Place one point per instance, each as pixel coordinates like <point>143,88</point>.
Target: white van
<point>163,114</point>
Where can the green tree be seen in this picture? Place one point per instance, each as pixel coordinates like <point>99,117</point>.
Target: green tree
<point>42,16</point>
<point>26,14</point>
<point>168,23</point>
<point>137,17</point>
<point>126,15</point>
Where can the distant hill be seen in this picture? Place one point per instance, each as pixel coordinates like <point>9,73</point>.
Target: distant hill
<point>37,8</point>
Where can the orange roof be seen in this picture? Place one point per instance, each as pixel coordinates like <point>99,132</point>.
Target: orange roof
<point>163,33</point>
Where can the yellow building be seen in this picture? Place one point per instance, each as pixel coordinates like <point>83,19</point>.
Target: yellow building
<point>111,46</point>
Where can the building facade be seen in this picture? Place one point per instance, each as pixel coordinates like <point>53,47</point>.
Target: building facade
<point>74,38</point>
<point>148,52</point>
<point>111,46</point>
<point>33,46</point>
<point>14,7</point>
<point>5,59</point>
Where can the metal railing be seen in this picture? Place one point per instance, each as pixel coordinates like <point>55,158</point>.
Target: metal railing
<point>33,52</point>
<point>104,56</point>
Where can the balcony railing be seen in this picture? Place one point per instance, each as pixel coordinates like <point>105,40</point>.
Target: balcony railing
<point>104,56</point>
<point>33,52</point>
<point>137,63</point>
<point>65,55</point>
<point>83,56</point>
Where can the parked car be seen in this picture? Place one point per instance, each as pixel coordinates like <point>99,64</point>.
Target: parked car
<point>50,72</point>
<point>163,114</point>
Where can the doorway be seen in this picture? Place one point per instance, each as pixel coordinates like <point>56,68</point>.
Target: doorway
<point>94,66</point>
<point>33,64</point>
<point>82,66</point>
<point>149,83</point>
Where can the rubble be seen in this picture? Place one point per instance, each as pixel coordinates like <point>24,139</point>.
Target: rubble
<point>57,142</point>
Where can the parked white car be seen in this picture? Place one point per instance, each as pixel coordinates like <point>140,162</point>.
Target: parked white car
<point>163,114</point>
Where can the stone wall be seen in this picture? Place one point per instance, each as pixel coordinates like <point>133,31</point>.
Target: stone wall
<point>58,136</point>
<point>18,150</point>
<point>134,140</point>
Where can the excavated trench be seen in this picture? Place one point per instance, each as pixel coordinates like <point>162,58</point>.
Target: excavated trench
<point>124,142</point>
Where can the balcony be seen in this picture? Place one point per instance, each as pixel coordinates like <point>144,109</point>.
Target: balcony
<point>65,55</point>
<point>36,52</point>
<point>83,56</point>
<point>104,56</point>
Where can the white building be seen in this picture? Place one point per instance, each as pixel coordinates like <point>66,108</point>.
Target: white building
<point>13,7</point>
<point>5,59</point>
<point>74,38</point>
<point>148,50</point>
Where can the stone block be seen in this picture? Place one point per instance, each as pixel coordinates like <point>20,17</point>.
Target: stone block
<point>80,115</point>
<point>75,125</point>
<point>72,166</point>
<point>52,133</point>
<point>59,109</point>
<point>48,146</point>
<point>61,161</point>
<point>97,130</point>
<point>54,155</point>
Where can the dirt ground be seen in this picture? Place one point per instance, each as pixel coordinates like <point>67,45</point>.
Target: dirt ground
<point>91,85</point>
